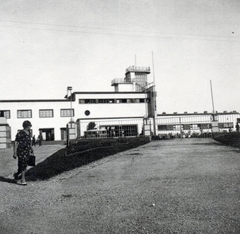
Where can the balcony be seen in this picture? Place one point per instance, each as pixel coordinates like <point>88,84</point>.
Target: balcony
<point>117,81</point>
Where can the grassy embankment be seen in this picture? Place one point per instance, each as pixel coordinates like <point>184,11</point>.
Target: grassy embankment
<point>231,139</point>
<point>80,153</point>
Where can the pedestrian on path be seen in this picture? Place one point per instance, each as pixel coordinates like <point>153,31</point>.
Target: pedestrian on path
<point>22,149</point>
<point>39,139</point>
<point>33,141</point>
<point>237,127</point>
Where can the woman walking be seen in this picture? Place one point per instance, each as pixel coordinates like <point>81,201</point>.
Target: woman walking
<point>22,150</point>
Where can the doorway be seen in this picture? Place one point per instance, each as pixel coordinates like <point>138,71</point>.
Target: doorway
<point>63,134</point>
<point>47,134</point>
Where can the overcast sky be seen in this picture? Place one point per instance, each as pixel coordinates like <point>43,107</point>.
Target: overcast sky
<point>47,45</point>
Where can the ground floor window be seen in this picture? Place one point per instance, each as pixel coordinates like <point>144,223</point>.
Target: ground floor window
<point>121,130</point>
<point>225,125</point>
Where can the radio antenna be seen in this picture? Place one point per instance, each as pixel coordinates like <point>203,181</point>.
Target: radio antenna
<point>212,100</point>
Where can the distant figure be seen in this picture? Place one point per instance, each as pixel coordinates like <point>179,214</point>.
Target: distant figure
<point>237,127</point>
<point>40,138</point>
<point>33,141</point>
<point>230,129</point>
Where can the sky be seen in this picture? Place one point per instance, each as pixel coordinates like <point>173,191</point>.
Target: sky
<point>48,45</point>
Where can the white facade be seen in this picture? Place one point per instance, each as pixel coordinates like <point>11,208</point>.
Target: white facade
<point>56,122</point>
<point>132,107</point>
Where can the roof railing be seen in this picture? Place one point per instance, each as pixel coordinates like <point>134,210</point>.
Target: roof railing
<point>138,69</point>
<point>120,81</point>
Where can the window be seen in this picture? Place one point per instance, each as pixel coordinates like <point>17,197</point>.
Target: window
<point>132,100</point>
<point>167,127</point>
<point>6,113</point>
<point>67,112</point>
<point>105,100</point>
<point>24,113</point>
<point>87,101</point>
<point>120,130</point>
<point>90,100</point>
<point>204,126</point>
<point>136,100</point>
<point>102,100</point>
<point>87,112</point>
<point>46,113</point>
<point>186,126</point>
<point>162,127</point>
<point>225,125</point>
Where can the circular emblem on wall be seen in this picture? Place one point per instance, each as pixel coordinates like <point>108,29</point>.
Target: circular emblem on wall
<point>87,112</point>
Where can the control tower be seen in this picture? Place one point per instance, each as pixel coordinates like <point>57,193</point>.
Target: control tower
<point>135,80</point>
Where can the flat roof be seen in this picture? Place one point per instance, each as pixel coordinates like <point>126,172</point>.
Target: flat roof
<point>36,100</point>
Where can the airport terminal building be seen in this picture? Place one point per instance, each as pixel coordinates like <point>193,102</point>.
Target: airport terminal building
<point>129,110</point>
<point>122,109</point>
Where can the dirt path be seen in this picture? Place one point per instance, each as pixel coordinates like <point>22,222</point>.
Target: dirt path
<point>178,186</point>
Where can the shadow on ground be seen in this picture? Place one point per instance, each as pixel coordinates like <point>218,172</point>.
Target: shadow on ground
<point>7,180</point>
<point>73,157</point>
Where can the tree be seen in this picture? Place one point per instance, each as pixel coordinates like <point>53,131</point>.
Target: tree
<point>91,125</point>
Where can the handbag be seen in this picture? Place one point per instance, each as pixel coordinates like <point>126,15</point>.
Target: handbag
<point>32,161</point>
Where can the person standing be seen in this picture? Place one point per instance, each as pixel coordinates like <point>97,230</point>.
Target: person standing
<point>22,150</point>
<point>237,127</point>
<point>40,138</point>
<point>33,141</point>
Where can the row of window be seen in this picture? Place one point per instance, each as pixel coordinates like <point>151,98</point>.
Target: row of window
<point>193,126</point>
<point>43,113</point>
<point>129,100</point>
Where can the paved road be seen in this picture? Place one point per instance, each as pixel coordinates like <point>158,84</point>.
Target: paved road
<point>175,186</point>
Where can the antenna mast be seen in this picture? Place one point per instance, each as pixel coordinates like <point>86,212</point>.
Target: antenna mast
<point>154,98</point>
<point>212,100</point>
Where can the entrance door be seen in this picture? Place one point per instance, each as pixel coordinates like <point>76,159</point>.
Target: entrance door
<point>47,134</point>
<point>63,134</point>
